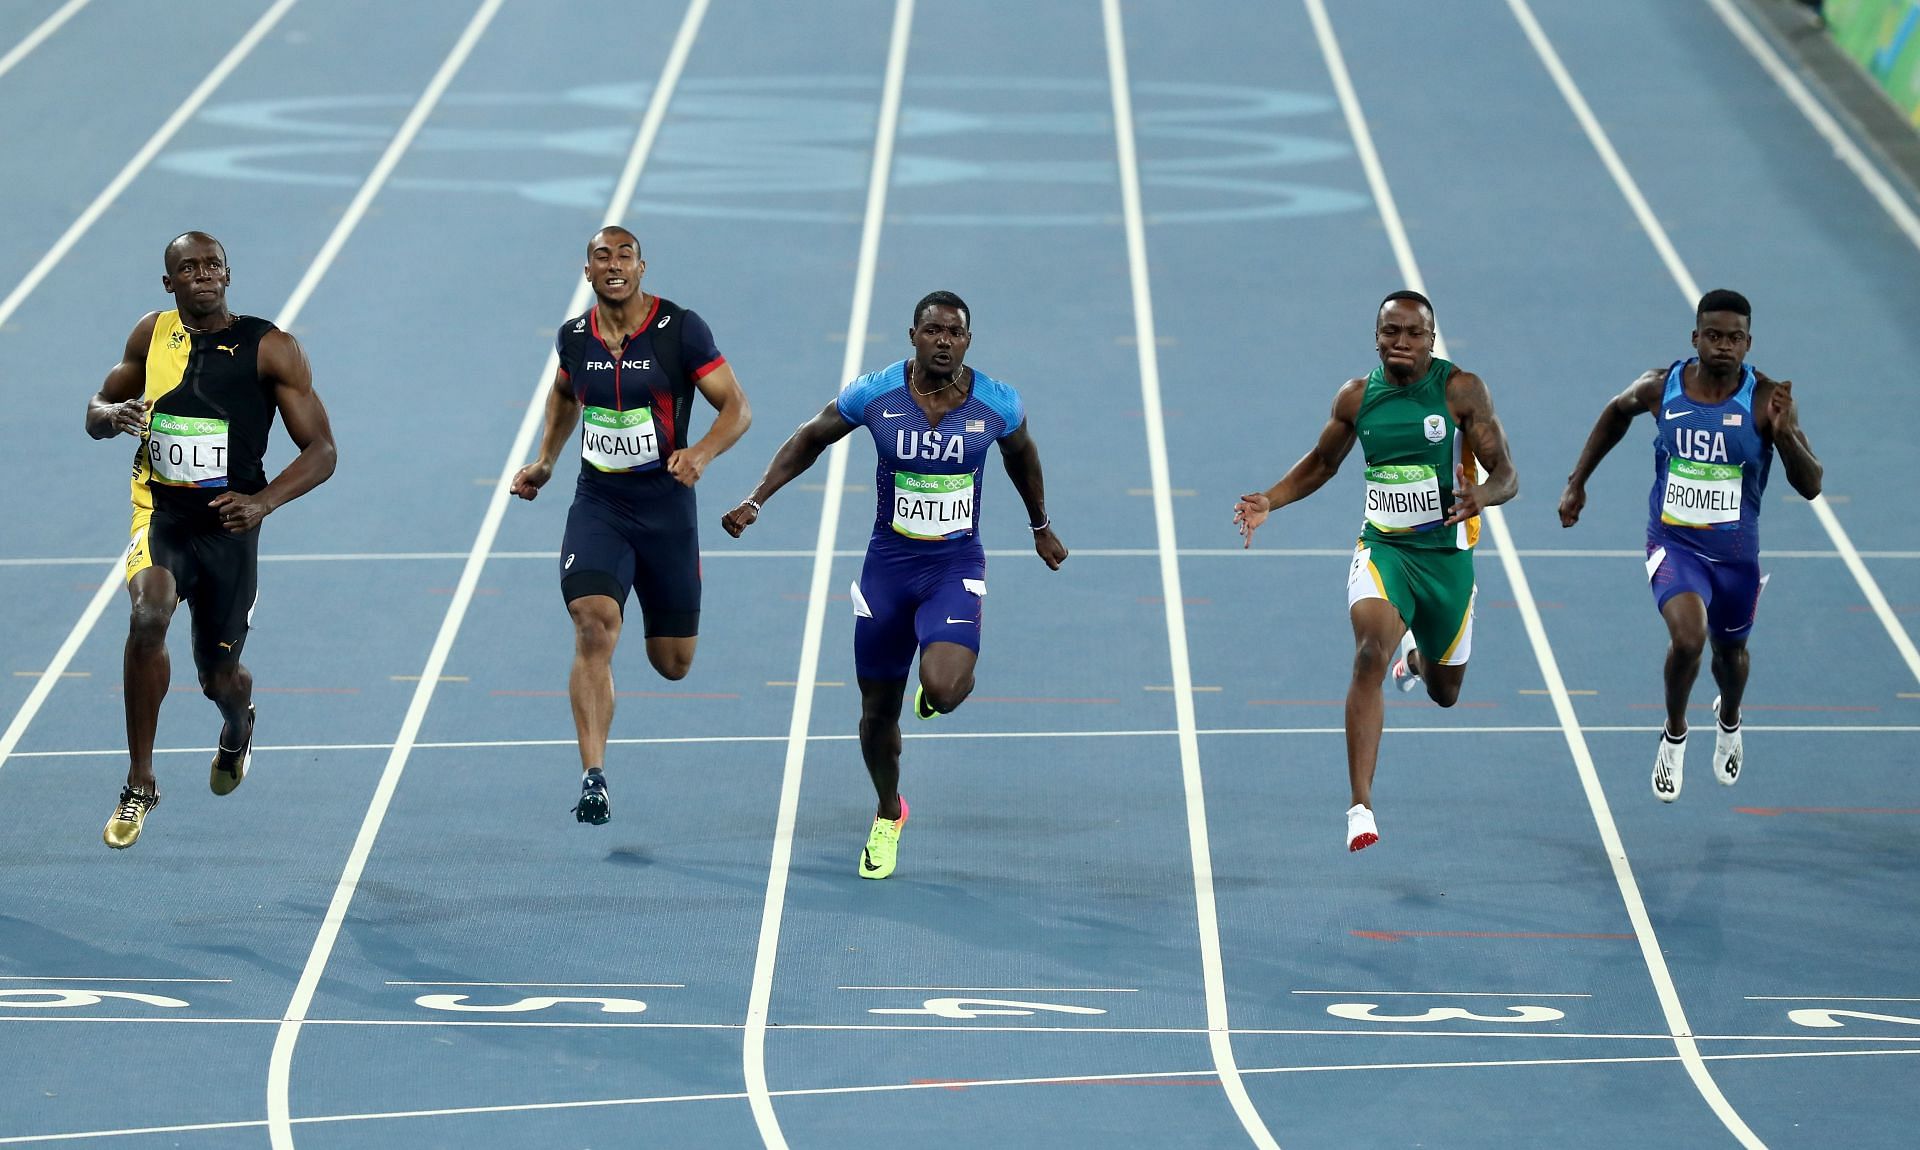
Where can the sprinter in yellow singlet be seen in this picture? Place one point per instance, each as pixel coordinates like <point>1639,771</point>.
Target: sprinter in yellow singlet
<point>199,386</point>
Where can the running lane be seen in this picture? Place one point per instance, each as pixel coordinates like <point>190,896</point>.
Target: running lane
<point>1040,870</point>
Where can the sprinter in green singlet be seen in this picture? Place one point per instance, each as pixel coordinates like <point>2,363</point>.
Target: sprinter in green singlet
<point>1436,457</point>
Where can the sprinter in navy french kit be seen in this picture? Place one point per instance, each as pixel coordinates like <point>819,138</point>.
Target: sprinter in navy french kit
<point>628,369</point>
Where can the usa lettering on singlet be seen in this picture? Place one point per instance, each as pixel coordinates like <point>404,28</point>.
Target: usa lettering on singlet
<point>927,479</point>
<point>1710,462</point>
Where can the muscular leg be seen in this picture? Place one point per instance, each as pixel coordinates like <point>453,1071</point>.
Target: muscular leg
<point>672,656</point>
<point>1686,616</point>
<point>1376,633</point>
<point>146,668</point>
<point>946,674</point>
<point>1730,674</point>
<point>596,631</point>
<point>230,686</point>
<point>1443,681</point>
<point>880,737</point>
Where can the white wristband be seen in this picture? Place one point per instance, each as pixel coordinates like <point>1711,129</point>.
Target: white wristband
<point>1044,524</point>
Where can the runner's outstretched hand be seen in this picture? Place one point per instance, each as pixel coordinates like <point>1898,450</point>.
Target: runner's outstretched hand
<point>1249,513</point>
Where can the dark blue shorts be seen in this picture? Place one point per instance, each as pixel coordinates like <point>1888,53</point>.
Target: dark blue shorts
<point>607,552</point>
<point>905,601</point>
<point>1730,588</point>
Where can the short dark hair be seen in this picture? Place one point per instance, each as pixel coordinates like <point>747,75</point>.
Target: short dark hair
<point>942,298</point>
<point>1722,299</point>
<point>1406,294</point>
<point>166,255</point>
<point>620,230</point>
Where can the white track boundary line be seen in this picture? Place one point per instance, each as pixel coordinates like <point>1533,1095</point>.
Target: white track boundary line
<point>1849,153</point>
<point>1212,969</point>
<point>955,1028</point>
<point>98,604</point>
<point>902,1087</point>
<point>760,994</point>
<point>1845,149</point>
<point>279,1071</point>
<point>142,158</point>
<point>1656,963</point>
<point>1168,732</point>
<point>992,553</point>
<point>34,38</point>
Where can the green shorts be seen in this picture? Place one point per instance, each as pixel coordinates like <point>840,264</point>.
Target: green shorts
<point>1432,589</point>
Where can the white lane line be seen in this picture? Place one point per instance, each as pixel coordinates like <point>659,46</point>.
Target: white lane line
<point>935,736</point>
<point>1444,993</point>
<point>280,1065</point>
<point>899,1087</point>
<point>1650,952</point>
<point>57,667</point>
<point>97,606</point>
<point>60,978</point>
<point>1819,998</point>
<point>968,1028</point>
<point>1212,969</point>
<point>34,38</point>
<point>576,985</point>
<point>994,553</point>
<point>241,49</point>
<point>760,996</point>
<point>1683,279</point>
<point>1844,148</point>
<point>1008,989</point>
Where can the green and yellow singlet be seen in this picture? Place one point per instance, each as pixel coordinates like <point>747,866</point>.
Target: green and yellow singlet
<point>1411,446</point>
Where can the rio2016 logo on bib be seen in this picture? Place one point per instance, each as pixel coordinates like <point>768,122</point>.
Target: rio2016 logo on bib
<point>1435,428</point>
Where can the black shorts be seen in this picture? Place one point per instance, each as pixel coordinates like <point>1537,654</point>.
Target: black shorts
<point>607,553</point>
<point>215,573</point>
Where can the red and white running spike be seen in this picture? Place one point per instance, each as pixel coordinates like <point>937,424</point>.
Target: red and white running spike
<point>1361,831</point>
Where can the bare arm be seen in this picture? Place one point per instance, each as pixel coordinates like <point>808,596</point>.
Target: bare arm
<point>120,406</point>
<point>563,414</point>
<point>1615,418</point>
<point>1022,459</point>
<point>734,415</point>
<point>1471,406</point>
<point>794,457</point>
<point>1313,470</point>
<point>1779,421</point>
<point>284,364</point>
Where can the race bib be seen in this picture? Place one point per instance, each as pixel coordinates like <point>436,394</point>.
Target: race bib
<point>932,506</point>
<point>1701,494</point>
<point>1403,497</point>
<point>187,452</point>
<point>618,441</point>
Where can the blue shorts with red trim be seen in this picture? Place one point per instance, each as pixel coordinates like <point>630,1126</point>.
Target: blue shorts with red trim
<point>1730,588</point>
<point>906,600</point>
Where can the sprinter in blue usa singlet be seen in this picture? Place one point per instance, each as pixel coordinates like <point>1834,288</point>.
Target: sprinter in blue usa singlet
<point>922,588</point>
<point>1718,424</point>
